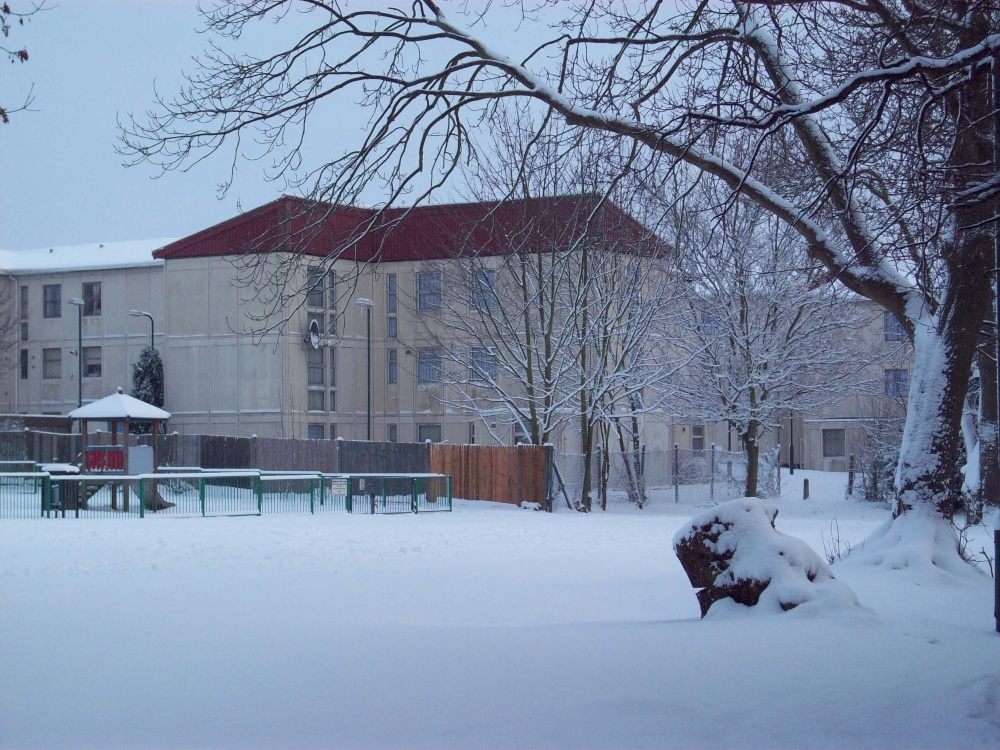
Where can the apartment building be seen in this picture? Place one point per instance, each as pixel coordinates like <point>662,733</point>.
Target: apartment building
<point>240,358</point>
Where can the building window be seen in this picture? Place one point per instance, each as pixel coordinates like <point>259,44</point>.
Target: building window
<point>316,431</point>
<point>315,366</point>
<point>24,364</point>
<point>834,443</point>
<point>333,401</point>
<point>333,431</point>
<point>390,328</point>
<point>391,366</point>
<point>897,383</point>
<point>429,433</point>
<point>429,291</point>
<point>391,296</point>
<point>24,330</point>
<point>51,364</point>
<point>481,293</point>
<point>91,361</point>
<point>520,436</point>
<point>315,288</point>
<point>333,370</point>
<point>391,433</point>
<point>52,299</point>
<point>709,325</point>
<point>483,364</point>
<point>317,401</point>
<point>698,438</point>
<point>893,329</point>
<point>24,303</point>
<point>429,369</point>
<point>472,433</point>
<point>91,298</point>
<point>331,288</point>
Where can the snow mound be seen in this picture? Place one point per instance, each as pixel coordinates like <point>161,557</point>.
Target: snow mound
<point>734,554</point>
<point>919,541</point>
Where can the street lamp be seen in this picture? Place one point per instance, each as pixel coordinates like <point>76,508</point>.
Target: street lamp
<point>368,305</point>
<point>78,304</point>
<point>140,313</point>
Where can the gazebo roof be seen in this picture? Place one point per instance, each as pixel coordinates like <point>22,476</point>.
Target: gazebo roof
<point>119,406</point>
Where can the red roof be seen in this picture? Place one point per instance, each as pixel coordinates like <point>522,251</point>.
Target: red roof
<point>430,232</point>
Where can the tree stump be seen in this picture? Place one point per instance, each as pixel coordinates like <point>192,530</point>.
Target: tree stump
<point>734,551</point>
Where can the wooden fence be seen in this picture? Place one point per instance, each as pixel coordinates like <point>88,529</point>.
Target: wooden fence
<point>499,473</point>
<point>479,472</point>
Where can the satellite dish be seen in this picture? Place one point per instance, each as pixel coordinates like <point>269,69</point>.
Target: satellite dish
<point>313,337</point>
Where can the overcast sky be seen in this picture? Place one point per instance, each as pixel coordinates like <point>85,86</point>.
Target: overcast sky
<point>91,61</point>
<point>63,183</point>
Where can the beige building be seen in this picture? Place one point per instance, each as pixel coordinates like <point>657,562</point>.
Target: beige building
<point>241,360</point>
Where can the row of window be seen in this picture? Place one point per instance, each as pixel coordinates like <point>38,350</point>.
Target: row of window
<point>321,368</point>
<point>52,363</point>
<point>90,293</point>
<point>425,432</point>
<point>892,329</point>
<point>482,291</point>
<point>430,365</point>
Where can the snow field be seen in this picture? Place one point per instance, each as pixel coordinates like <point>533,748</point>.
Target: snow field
<point>492,626</point>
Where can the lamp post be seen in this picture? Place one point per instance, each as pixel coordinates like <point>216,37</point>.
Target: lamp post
<point>368,305</point>
<point>152,325</point>
<point>78,304</point>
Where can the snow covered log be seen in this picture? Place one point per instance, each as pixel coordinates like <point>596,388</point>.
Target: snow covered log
<point>733,551</point>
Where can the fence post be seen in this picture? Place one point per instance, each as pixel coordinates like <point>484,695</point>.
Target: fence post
<point>600,479</point>
<point>549,457</point>
<point>642,473</point>
<point>677,459</point>
<point>347,499</point>
<point>850,475</point>
<point>47,496</point>
<point>260,494</point>
<point>777,468</point>
<point>312,495</point>
<point>142,496</point>
<point>414,494</point>
<point>711,481</point>
<point>201,494</point>
<point>449,492</point>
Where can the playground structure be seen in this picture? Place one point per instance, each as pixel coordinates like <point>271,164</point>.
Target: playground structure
<point>105,462</point>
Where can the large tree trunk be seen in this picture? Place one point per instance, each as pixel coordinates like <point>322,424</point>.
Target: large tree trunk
<point>752,449</point>
<point>944,347</point>
<point>989,460</point>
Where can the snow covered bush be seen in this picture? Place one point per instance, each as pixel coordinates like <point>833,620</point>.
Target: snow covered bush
<point>733,551</point>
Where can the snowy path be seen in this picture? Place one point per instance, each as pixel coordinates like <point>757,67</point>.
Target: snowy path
<point>488,627</point>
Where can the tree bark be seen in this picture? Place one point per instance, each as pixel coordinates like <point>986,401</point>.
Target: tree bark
<point>752,449</point>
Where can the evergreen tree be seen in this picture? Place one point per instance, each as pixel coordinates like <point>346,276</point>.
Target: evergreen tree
<point>147,381</point>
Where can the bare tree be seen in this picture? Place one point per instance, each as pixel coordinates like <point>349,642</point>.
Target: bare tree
<point>10,323</point>
<point>550,309</point>
<point>883,108</point>
<point>763,334</point>
<point>9,20</point>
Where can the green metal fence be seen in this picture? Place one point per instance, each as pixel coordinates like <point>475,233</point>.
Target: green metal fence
<point>217,493</point>
<point>385,494</point>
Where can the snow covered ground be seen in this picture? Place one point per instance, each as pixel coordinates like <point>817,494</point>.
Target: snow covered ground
<point>491,626</point>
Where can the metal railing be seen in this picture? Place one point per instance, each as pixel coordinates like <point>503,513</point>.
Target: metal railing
<point>217,493</point>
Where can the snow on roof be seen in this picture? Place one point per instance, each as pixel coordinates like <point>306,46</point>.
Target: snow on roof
<point>119,406</point>
<point>96,255</point>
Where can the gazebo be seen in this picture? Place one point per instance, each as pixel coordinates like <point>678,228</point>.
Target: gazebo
<point>118,407</point>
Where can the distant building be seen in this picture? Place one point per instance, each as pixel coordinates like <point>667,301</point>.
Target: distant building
<point>306,376</point>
